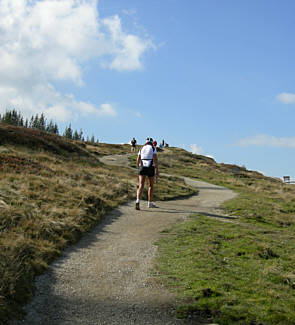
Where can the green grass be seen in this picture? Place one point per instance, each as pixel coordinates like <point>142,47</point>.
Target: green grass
<point>239,272</point>
<point>232,273</point>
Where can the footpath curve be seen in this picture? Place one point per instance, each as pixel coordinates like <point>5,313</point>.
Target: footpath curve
<point>105,278</point>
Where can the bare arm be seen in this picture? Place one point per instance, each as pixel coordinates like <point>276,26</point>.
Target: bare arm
<point>138,161</point>
<point>155,157</point>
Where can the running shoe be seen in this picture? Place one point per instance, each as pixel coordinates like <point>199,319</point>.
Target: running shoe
<point>151,205</point>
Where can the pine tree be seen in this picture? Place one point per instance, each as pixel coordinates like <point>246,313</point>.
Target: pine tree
<point>42,122</point>
<point>68,133</point>
<point>76,135</point>
<point>35,122</point>
<point>7,118</point>
<point>50,127</point>
<point>10,117</point>
<point>14,117</point>
<point>80,135</point>
<point>55,129</point>
<point>31,122</point>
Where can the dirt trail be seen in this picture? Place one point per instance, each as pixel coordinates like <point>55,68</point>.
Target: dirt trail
<point>105,278</point>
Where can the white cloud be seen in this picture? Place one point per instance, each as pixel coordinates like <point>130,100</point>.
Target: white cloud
<point>107,110</point>
<point>286,98</point>
<point>127,49</point>
<point>267,141</point>
<point>196,149</point>
<point>129,12</point>
<point>50,40</point>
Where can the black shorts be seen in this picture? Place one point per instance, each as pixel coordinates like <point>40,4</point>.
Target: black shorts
<point>146,171</point>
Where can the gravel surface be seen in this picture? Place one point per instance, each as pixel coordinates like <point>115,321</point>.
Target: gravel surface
<point>106,277</point>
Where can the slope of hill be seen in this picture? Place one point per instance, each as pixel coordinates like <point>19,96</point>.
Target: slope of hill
<point>240,271</point>
<point>35,139</point>
<point>53,190</point>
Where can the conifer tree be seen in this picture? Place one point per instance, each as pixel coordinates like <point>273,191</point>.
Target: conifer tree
<point>55,129</point>
<point>68,133</point>
<point>42,122</point>
<point>31,122</point>
<point>13,117</point>
<point>80,135</point>
<point>76,135</point>
<point>35,122</point>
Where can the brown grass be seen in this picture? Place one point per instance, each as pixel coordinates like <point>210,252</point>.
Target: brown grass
<point>52,191</point>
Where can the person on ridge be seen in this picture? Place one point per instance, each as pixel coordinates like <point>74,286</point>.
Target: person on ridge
<point>155,143</point>
<point>133,144</point>
<point>147,163</point>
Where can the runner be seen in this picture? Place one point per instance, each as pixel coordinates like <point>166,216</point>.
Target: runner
<point>133,144</point>
<point>155,143</point>
<point>147,163</point>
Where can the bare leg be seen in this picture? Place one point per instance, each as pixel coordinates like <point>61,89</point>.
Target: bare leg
<point>151,188</point>
<point>141,180</point>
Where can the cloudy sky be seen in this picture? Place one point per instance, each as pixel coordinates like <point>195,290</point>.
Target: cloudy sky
<point>213,76</point>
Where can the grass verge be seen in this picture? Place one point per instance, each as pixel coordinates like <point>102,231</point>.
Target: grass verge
<point>239,272</point>
<point>231,273</point>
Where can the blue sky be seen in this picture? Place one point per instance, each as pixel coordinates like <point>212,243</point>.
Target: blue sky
<point>212,76</point>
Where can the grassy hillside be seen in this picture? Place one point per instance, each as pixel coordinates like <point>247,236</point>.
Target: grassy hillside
<point>235,272</point>
<point>53,190</point>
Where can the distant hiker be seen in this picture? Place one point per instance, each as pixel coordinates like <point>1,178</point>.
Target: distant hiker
<point>163,143</point>
<point>147,163</point>
<point>133,144</point>
<point>155,143</point>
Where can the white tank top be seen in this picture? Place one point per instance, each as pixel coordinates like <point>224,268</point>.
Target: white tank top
<point>146,153</point>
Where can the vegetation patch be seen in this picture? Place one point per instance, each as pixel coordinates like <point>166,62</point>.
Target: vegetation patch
<point>52,191</point>
<point>238,272</point>
<point>106,149</point>
<point>231,273</point>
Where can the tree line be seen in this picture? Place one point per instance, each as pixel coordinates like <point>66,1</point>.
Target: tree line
<point>39,122</point>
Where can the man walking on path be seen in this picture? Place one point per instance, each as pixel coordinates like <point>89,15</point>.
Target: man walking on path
<point>147,163</point>
<point>133,144</point>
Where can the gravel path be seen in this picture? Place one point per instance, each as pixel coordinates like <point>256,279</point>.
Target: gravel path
<point>105,278</point>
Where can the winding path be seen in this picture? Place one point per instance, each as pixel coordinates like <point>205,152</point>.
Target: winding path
<point>105,278</point>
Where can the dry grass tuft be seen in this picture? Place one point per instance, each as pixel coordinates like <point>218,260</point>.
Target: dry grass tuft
<point>51,192</point>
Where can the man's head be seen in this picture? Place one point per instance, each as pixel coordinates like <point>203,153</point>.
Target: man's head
<point>149,140</point>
